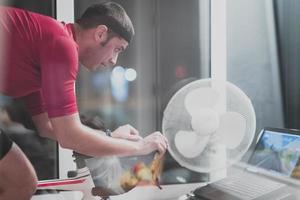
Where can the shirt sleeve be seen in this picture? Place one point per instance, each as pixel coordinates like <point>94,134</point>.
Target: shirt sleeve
<point>59,67</point>
<point>34,103</point>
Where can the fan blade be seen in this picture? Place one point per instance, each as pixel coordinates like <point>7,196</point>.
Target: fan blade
<point>189,144</point>
<point>199,98</point>
<point>205,122</point>
<point>232,129</point>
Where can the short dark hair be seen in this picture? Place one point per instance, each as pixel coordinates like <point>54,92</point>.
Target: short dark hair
<point>110,14</point>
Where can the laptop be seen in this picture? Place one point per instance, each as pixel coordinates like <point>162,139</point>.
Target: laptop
<point>273,166</point>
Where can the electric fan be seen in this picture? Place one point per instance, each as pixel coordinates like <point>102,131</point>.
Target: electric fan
<point>202,138</point>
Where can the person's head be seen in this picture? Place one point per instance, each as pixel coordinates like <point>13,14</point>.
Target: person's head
<point>105,30</point>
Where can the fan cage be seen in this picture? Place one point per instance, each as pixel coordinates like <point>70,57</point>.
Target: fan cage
<point>177,118</point>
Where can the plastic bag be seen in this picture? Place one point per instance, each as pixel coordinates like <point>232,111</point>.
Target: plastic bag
<point>113,175</point>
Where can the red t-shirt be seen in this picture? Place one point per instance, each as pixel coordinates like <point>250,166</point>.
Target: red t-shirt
<point>40,62</point>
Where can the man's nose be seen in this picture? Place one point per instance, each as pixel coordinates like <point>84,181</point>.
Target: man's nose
<point>114,59</point>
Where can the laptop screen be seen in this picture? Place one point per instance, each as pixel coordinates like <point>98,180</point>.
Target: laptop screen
<point>278,151</point>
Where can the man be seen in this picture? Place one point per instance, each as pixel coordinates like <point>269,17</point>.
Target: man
<point>41,65</point>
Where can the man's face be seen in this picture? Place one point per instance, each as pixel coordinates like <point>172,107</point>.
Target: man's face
<point>104,54</point>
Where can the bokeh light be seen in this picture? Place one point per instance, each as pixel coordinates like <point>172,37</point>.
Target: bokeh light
<point>130,74</point>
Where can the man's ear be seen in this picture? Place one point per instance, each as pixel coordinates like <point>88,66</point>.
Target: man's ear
<point>101,33</point>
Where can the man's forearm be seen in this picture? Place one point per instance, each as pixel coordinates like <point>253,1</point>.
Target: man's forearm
<point>71,134</point>
<point>95,143</point>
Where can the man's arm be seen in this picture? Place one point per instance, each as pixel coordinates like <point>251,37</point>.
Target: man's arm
<point>71,134</point>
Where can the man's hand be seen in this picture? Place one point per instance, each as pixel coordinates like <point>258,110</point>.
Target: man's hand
<point>153,142</point>
<point>126,132</point>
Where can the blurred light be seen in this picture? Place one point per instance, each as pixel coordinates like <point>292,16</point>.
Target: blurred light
<point>119,84</point>
<point>118,72</point>
<point>130,74</point>
<point>99,79</point>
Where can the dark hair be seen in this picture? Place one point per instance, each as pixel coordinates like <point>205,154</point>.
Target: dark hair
<point>93,122</point>
<point>110,14</point>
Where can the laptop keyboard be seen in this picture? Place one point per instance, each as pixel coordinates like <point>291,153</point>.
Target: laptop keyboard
<point>247,186</point>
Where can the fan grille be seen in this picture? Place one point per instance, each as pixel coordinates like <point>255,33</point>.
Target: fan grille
<point>176,118</point>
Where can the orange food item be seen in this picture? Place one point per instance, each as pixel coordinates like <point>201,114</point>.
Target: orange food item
<point>141,174</point>
<point>138,167</point>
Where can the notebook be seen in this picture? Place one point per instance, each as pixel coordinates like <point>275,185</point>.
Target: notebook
<point>273,163</point>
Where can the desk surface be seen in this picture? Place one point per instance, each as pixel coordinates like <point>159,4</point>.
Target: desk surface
<point>154,193</point>
<point>169,192</point>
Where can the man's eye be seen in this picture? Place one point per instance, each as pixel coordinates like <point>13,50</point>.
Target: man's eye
<point>118,50</point>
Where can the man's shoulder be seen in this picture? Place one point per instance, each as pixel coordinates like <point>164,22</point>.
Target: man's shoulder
<point>21,14</point>
<point>24,20</point>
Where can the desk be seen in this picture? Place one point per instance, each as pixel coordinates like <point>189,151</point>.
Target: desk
<point>169,192</point>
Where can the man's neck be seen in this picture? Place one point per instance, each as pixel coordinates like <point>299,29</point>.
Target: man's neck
<point>77,32</point>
